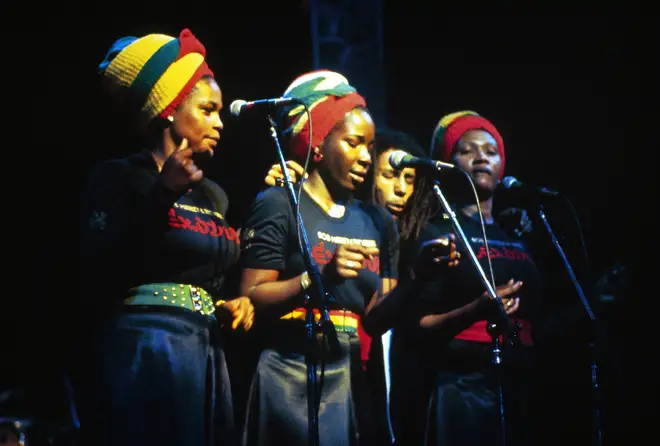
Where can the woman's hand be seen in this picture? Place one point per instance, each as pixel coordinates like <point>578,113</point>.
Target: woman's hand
<point>436,253</point>
<point>275,176</point>
<point>350,259</point>
<point>242,312</point>
<point>507,294</point>
<point>179,171</point>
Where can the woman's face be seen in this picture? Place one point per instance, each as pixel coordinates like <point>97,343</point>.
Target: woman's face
<point>198,117</point>
<point>393,187</point>
<point>346,150</point>
<point>476,152</point>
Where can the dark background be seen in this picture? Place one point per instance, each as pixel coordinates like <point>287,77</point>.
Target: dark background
<point>563,86</point>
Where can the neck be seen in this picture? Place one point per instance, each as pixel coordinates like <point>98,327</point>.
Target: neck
<point>163,150</point>
<point>327,195</point>
<point>471,210</point>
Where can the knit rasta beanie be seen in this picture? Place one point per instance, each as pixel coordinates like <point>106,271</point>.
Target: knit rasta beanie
<point>149,76</point>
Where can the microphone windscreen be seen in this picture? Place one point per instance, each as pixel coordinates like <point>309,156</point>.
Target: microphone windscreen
<point>236,106</point>
<point>396,158</point>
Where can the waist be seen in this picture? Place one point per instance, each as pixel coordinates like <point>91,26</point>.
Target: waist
<point>172,295</point>
<point>478,332</point>
<point>344,320</point>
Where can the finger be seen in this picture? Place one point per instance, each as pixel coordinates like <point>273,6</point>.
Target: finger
<point>183,145</point>
<point>347,255</point>
<point>345,249</point>
<point>270,181</point>
<point>347,273</point>
<point>297,168</point>
<point>238,318</point>
<point>512,305</point>
<point>510,282</point>
<point>197,176</point>
<point>276,168</point>
<point>350,264</point>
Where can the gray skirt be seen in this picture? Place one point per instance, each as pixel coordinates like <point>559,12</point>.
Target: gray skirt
<point>277,406</point>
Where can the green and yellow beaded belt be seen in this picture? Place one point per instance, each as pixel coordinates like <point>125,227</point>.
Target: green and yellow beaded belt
<point>168,294</point>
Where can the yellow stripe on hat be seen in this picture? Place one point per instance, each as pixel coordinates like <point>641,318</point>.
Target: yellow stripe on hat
<point>125,67</point>
<point>447,119</point>
<point>300,123</point>
<point>170,85</point>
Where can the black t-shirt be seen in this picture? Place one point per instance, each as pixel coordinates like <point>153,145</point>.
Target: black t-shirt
<point>460,285</point>
<point>269,241</point>
<point>136,231</point>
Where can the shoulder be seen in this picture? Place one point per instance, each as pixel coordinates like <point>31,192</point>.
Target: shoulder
<point>217,193</point>
<point>275,196</point>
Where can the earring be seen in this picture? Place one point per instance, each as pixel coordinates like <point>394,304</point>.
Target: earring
<point>170,118</point>
<point>317,156</point>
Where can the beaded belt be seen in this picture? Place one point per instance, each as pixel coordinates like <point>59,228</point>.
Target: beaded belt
<point>168,294</point>
<point>343,320</point>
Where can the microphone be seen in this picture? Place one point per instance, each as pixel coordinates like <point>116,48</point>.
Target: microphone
<point>400,159</point>
<point>239,106</point>
<point>513,183</point>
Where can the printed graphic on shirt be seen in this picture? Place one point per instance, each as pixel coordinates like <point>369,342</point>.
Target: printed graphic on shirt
<point>323,253</point>
<point>198,210</point>
<point>498,249</point>
<point>201,225</point>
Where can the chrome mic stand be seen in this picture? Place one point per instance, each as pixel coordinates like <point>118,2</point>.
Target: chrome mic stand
<point>495,329</point>
<point>315,299</point>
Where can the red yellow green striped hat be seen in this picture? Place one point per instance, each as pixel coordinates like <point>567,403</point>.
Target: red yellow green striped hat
<point>451,127</point>
<point>328,96</point>
<point>150,75</point>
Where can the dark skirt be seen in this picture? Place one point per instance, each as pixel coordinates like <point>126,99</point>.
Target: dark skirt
<point>277,407</point>
<point>464,407</point>
<point>156,377</point>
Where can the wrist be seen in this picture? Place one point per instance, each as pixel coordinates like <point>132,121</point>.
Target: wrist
<point>305,281</point>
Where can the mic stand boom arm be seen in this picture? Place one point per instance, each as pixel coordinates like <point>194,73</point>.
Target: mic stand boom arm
<point>592,320</point>
<point>315,299</point>
<point>496,329</point>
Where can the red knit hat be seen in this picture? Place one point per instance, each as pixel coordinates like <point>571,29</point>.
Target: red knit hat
<point>451,127</point>
<point>328,96</point>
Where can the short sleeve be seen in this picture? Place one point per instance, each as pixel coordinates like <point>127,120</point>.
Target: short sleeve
<point>265,234</point>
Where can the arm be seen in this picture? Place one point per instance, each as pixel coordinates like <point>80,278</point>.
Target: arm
<point>264,245</point>
<point>263,288</point>
<point>123,212</point>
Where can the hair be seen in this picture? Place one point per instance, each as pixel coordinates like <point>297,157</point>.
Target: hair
<point>413,216</point>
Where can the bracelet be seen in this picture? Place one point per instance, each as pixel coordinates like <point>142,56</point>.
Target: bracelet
<point>305,281</point>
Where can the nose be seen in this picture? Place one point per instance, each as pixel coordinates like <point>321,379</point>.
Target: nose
<point>400,186</point>
<point>217,123</point>
<point>480,157</point>
<point>365,156</point>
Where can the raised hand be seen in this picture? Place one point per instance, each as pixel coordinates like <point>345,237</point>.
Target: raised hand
<point>179,171</point>
<point>349,259</point>
<point>275,176</point>
<point>436,253</point>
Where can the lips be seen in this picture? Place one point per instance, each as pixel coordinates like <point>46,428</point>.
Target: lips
<point>396,207</point>
<point>481,170</point>
<point>356,176</point>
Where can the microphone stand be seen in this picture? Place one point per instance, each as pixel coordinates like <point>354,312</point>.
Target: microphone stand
<point>315,299</point>
<point>495,329</point>
<point>592,319</point>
